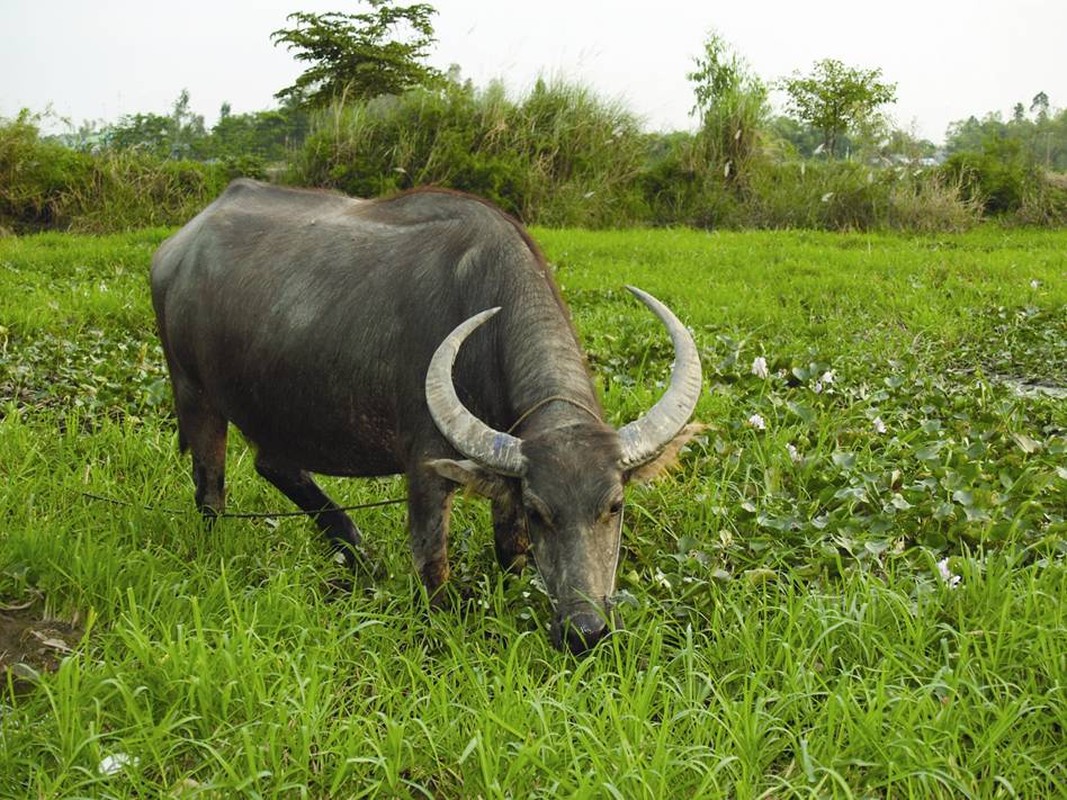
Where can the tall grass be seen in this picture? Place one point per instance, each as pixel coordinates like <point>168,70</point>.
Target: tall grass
<point>558,156</point>
<point>851,196</point>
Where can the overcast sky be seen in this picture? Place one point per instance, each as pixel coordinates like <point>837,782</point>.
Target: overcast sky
<point>949,58</point>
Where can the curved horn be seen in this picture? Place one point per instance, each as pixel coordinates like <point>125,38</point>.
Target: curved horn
<point>645,438</point>
<point>499,452</point>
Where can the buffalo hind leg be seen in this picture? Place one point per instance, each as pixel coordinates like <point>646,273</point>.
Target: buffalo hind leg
<point>298,486</point>
<point>203,431</point>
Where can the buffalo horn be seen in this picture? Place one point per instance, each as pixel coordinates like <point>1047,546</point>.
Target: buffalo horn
<point>645,438</point>
<point>499,452</point>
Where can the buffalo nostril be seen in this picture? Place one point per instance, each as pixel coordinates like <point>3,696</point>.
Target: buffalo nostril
<point>583,631</point>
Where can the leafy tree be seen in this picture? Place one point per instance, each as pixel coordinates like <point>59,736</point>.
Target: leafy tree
<point>1043,138</point>
<point>266,135</point>
<point>180,134</point>
<point>146,132</point>
<point>1039,106</point>
<point>836,99</point>
<point>732,105</point>
<point>363,55</point>
<point>187,132</point>
<point>793,136</point>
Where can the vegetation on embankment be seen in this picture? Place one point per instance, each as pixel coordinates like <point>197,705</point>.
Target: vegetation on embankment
<point>558,156</point>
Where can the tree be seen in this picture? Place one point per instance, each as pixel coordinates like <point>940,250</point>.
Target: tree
<point>180,134</point>
<point>359,55</point>
<point>264,135</point>
<point>1039,105</point>
<point>835,99</point>
<point>732,105</point>
<point>186,128</point>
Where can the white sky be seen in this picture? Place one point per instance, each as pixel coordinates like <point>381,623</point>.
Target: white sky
<point>950,58</point>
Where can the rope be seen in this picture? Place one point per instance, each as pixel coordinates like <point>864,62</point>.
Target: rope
<point>247,514</point>
<point>374,504</point>
<point>556,397</point>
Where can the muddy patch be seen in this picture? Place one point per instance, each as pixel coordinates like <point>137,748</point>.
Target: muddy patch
<point>32,643</point>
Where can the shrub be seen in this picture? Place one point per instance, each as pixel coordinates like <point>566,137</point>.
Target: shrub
<point>44,184</point>
<point>927,202</point>
<point>680,186</point>
<point>35,175</point>
<point>996,177</point>
<point>831,195</point>
<point>1044,201</point>
<point>559,156</point>
<point>128,190</point>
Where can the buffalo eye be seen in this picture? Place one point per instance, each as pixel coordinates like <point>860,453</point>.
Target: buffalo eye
<point>612,508</point>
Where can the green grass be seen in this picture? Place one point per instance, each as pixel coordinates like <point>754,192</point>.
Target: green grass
<point>788,630</point>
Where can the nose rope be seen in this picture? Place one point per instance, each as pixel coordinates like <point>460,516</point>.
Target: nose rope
<point>552,399</point>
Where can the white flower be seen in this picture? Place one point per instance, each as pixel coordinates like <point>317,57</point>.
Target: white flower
<point>759,367</point>
<point>947,575</point>
<point>879,426</point>
<point>817,387</point>
<point>757,422</point>
<point>827,377</point>
<point>114,764</point>
<point>794,454</point>
<point>1035,284</point>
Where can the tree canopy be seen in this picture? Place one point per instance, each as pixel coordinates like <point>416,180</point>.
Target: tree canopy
<point>362,55</point>
<point>835,99</point>
<point>732,104</point>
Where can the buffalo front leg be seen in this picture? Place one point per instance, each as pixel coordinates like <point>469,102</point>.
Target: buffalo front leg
<point>429,505</point>
<point>298,486</point>
<point>510,537</point>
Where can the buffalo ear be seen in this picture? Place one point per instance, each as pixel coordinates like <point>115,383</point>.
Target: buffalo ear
<point>473,476</point>
<point>668,457</point>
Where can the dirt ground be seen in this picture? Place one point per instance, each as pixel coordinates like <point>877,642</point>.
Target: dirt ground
<point>30,643</point>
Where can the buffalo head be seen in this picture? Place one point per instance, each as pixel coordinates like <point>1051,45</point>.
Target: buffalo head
<point>565,483</point>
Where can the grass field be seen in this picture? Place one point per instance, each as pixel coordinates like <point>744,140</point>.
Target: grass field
<point>853,586</point>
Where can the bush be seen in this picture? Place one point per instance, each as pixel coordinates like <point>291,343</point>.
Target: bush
<point>841,195</point>
<point>44,184</point>
<point>830,195</point>
<point>559,156</point>
<point>996,177</point>
<point>35,175</point>
<point>127,190</point>
<point>680,186</point>
<point>1044,201</point>
<point>926,202</point>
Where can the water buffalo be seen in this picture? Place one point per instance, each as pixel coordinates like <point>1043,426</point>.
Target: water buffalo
<point>333,333</point>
